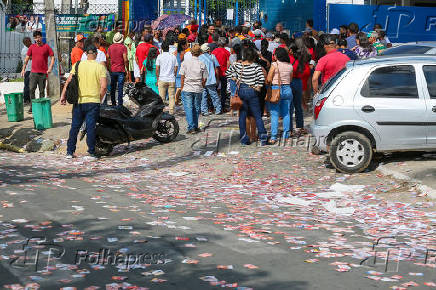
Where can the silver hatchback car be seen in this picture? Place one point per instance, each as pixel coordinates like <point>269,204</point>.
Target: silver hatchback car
<point>381,104</point>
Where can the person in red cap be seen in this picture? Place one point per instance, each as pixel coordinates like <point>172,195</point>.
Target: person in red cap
<point>194,33</point>
<point>77,51</point>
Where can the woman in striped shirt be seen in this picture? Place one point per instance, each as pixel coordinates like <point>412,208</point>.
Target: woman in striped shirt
<point>251,78</point>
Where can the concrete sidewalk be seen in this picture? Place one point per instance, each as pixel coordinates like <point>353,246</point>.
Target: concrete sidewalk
<point>22,136</point>
<point>416,168</point>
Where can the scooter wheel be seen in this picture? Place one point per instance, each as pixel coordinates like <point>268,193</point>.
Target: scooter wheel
<point>103,149</point>
<point>167,131</point>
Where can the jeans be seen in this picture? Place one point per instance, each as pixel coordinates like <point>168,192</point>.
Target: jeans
<point>170,88</point>
<point>117,80</point>
<point>233,87</point>
<point>297,92</point>
<point>223,81</point>
<point>26,93</point>
<point>282,108</point>
<point>37,79</point>
<point>250,106</point>
<point>191,104</point>
<point>211,91</point>
<point>88,112</point>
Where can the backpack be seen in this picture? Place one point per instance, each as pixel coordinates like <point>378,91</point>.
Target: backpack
<point>73,87</point>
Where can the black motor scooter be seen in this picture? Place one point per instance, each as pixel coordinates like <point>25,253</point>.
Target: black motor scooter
<point>117,124</point>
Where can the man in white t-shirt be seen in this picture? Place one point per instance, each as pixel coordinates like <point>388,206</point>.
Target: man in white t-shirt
<point>166,71</point>
<point>101,57</point>
<point>26,94</point>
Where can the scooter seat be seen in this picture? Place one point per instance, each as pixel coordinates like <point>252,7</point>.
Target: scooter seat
<point>115,112</point>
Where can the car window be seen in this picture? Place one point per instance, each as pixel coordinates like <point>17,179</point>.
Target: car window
<point>430,77</point>
<point>331,81</point>
<point>391,82</point>
<point>407,49</point>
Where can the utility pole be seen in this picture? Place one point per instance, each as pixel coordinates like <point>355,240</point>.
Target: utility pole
<point>53,81</point>
<point>65,39</point>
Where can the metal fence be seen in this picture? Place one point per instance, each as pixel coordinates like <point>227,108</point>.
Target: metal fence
<point>11,41</point>
<point>231,12</point>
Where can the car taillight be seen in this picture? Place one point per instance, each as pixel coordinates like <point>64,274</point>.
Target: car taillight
<point>318,107</point>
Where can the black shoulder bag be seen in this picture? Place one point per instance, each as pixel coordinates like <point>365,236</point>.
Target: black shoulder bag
<point>72,91</point>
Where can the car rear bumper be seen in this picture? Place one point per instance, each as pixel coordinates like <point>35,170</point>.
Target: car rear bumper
<point>320,133</point>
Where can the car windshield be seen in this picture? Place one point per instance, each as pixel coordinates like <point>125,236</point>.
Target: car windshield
<point>407,49</point>
<point>331,81</point>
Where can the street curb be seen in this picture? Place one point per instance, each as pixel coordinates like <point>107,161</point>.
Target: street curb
<point>429,191</point>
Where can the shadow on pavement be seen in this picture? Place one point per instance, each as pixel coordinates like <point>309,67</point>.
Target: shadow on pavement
<point>73,256</point>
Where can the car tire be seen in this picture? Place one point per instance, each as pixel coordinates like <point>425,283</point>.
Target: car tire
<point>351,152</point>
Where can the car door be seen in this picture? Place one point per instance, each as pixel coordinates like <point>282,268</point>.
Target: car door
<point>430,90</point>
<point>390,101</point>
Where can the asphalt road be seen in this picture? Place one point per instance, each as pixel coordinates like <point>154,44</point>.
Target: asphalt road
<point>193,221</point>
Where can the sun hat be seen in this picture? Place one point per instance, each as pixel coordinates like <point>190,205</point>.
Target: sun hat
<point>118,38</point>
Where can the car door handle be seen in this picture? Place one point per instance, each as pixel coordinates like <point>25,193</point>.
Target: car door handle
<point>368,109</point>
<point>434,109</point>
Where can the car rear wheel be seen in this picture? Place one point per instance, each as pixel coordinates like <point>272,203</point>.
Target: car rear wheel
<point>351,152</point>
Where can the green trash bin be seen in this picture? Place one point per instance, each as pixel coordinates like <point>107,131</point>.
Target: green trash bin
<point>14,107</point>
<point>41,110</point>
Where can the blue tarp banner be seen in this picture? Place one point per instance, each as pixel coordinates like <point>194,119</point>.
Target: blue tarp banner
<point>402,23</point>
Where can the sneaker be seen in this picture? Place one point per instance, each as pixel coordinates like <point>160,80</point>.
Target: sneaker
<point>197,130</point>
<point>69,156</point>
<point>90,157</point>
<point>206,114</point>
<point>192,131</point>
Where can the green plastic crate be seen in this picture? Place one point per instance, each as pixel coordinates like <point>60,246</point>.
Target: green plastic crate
<point>14,107</point>
<point>41,110</point>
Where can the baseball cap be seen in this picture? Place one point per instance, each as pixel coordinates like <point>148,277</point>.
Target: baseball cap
<point>205,47</point>
<point>269,35</point>
<point>79,37</point>
<point>335,31</point>
<point>257,32</point>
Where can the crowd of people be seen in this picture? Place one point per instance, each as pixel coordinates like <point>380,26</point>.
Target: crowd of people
<point>205,66</point>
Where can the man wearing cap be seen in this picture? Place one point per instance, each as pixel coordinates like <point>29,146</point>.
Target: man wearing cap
<point>257,38</point>
<point>117,57</point>
<point>77,51</point>
<point>193,74</point>
<point>101,56</point>
<point>329,64</point>
<point>212,67</point>
<point>92,89</point>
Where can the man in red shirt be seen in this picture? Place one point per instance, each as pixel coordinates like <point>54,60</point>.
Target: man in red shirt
<point>117,57</point>
<point>143,48</point>
<point>222,55</point>
<point>39,52</point>
<point>329,64</point>
<point>211,32</point>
